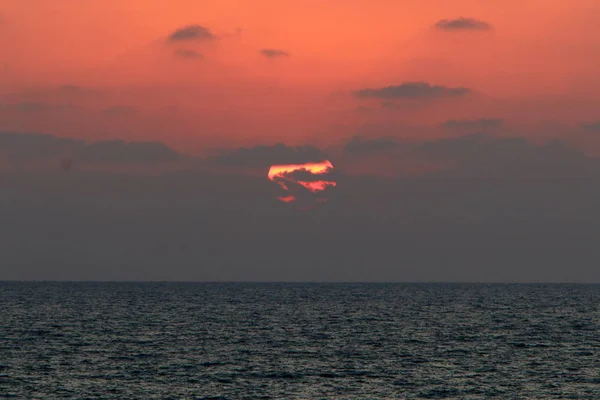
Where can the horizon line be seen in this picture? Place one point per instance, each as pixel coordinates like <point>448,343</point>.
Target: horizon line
<point>306,282</point>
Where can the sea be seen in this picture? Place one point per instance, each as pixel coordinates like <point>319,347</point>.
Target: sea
<point>86,340</point>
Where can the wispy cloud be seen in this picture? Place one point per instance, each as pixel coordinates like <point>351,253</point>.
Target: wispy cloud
<point>591,126</point>
<point>36,107</point>
<point>412,90</point>
<point>462,24</point>
<point>274,53</point>
<point>191,32</point>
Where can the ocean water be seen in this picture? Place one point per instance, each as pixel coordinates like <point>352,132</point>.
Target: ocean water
<point>299,341</point>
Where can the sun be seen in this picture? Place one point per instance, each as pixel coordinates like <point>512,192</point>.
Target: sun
<point>303,181</point>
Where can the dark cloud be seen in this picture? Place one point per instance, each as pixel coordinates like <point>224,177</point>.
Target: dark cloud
<point>398,104</point>
<point>507,210</point>
<point>188,54</point>
<point>305,175</point>
<point>121,151</point>
<point>591,126</point>
<point>55,96</point>
<point>473,124</point>
<point>191,32</point>
<point>31,146</point>
<point>274,53</point>
<point>36,107</point>
<point>461,24</point>
<point>120,111</point>
<point>305,198</point>
<point>200,226</point>
<point>359,146</point>
<point>308,189</point>
<point>265,156</point>
<point>483,155</point>
<point>28,146</point>
<point>412,90</point>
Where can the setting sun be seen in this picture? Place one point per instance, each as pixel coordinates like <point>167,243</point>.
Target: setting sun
<point>314,177</point>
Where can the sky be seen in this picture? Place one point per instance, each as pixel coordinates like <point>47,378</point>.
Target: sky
<point>136,139</point>
<point>269,71</point>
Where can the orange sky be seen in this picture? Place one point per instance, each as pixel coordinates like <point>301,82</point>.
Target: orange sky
<point>536,66</point>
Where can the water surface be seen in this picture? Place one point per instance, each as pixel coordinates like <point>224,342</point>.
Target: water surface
<point>299,341</point>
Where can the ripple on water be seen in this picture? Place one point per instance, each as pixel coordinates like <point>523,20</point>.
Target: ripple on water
<point>299,341</point>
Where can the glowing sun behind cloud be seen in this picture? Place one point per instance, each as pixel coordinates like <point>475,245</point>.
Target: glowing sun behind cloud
<point>310,180</point>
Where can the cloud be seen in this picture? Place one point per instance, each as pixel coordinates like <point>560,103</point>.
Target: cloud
<point>473,124</point>
<point>199,226</point>
<point>53,96</point>
<point>412,91</point>
<point>505,210</point>
<point>478,155</point>
<point>31,146</point>
<point>28,146</point>
<point>119,111</point>
<point>188,54</point>
<point>359,146</point>
<point>591,126</point>
<point>274,53</point>
<point>191,33</point>
<point>305,175</point>
<point>305,186</point>
<point>36,107</point>
<point>265,156</point>
<point>462,24</point>
<point>397,104</point>
<point>483,155</point>
<point>121,151</point>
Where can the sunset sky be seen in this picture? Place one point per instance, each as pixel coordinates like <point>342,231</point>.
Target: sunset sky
<point>200,74</point>
<point>407,140</point>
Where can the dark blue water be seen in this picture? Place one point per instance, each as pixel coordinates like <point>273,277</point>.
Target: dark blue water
<point>299,341</point>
